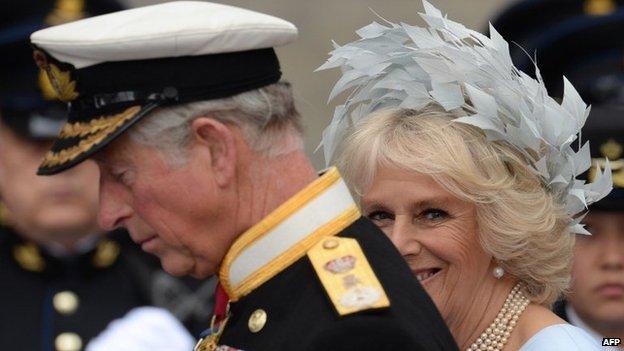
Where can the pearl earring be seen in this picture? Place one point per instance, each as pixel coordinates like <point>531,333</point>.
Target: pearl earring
<point>498,272</point>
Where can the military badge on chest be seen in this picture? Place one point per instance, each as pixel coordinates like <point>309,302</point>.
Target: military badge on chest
<point>209,340</point>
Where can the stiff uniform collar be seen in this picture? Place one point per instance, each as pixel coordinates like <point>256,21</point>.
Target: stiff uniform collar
<point>323,208</point>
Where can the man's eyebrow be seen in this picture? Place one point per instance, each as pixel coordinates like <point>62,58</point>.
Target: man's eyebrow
<point>101,161</point>
<point>104,159</point>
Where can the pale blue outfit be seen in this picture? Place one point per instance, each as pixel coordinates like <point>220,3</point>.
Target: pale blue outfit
<point>561,337</point>
<point>575,319</point>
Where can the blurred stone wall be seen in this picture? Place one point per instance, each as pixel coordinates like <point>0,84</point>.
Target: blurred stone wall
<point>320,22</point>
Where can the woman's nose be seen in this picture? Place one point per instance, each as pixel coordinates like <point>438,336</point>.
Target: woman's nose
<point>403,236</point>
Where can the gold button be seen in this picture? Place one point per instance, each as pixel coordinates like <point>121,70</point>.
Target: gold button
<point>330,244</point>
<point>65,302</point>
<point>257,320</point>
<point>68,342</point>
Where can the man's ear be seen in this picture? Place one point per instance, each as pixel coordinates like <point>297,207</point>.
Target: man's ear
<point>219,139</point>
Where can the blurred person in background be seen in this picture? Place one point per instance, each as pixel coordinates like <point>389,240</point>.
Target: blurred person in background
<point>576,39</point>
<point>62,278</point>
<point>595,301</point>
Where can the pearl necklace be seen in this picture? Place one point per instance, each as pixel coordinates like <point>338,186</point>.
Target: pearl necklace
<point>497,334</point>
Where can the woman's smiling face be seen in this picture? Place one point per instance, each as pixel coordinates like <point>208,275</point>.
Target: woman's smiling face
<point>435,232</point>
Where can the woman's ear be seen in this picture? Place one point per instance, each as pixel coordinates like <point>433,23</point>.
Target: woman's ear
<point>218,141</point>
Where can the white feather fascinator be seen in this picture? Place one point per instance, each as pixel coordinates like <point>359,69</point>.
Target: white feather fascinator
<point>399,65</point>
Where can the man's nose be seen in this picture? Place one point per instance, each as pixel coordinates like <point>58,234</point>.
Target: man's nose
<point>114,207</point>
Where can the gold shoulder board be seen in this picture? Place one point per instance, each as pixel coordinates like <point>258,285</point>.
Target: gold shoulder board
<point>347,276</point>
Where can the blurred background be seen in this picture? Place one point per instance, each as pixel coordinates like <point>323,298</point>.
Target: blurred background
<point>320,22</point>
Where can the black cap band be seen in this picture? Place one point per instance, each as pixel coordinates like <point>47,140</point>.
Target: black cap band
<point>193,78</point>
<point>107,99</point>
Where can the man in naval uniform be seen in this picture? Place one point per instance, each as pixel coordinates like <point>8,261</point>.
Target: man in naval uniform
<point>62,279</point>
<point>579,43</point>
<point>200,150</point>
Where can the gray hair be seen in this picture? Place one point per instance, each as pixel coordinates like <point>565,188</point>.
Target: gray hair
<point>521,224</point>
<point>266,116</point>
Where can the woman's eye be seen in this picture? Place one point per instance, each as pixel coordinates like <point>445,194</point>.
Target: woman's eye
<point>380,216</point>
<point>434,214</point>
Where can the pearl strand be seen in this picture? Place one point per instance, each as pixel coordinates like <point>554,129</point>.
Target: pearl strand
<point>497,334</point>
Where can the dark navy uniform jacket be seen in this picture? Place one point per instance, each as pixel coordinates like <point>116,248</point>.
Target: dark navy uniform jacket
<point>315,275</point>
<point>51,303</point>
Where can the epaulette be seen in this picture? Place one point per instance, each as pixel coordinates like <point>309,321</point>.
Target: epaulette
<point>346,275</point>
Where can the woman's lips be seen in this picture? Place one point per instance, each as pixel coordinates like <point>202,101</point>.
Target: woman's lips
<point>425,275</point>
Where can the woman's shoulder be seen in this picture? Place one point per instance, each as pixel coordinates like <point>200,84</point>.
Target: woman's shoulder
<point>561,337</point>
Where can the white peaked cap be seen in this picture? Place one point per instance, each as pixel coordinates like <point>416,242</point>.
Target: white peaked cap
<point>173,29</point>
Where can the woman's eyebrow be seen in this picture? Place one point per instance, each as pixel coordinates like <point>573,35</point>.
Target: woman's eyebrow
<point>434,201</point>
<point>373,205</point>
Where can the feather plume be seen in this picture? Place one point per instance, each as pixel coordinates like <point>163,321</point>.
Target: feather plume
<point>400,65</point>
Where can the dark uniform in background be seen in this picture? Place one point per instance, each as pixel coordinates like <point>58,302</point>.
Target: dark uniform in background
<point>52,300</point>
<point>583,41</point>
<point>58,301</point>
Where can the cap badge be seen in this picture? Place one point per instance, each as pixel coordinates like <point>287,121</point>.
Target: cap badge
<point>47,90</point>
<point>611,150</point>
<point>60,80</point>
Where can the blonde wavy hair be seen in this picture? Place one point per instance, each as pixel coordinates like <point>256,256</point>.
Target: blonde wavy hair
<point>520,223</point>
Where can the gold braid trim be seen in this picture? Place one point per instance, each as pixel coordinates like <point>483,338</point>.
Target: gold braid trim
<point>81,129</point>
<point>98,133</point>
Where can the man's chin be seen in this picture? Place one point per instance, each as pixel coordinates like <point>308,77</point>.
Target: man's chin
<point>177,267</point>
